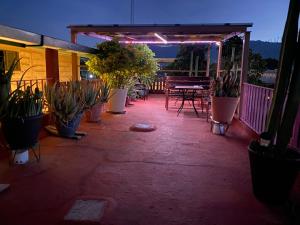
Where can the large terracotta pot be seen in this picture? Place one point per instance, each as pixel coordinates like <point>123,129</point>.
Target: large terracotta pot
<point>223,108</point>
<point>117,100</point>
<point>94,114</point>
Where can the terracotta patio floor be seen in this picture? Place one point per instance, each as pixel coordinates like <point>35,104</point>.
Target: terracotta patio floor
<point>180,174</point>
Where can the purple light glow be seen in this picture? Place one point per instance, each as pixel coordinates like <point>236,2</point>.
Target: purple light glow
<point>168,42</point>
<point>161,38</point>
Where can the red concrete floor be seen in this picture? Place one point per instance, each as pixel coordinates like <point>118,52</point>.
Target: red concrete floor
<point>180,174</point>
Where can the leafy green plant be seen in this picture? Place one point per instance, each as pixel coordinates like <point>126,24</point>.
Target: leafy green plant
<point>66,101</point>
<point>286,98</point>
<point>226,85</point>
<point>121,65</point>
<point>145,65</point>
<point>113,64</point>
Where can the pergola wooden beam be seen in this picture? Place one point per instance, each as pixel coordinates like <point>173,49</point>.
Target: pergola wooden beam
<point>211,33</point>
<point>226,28</point>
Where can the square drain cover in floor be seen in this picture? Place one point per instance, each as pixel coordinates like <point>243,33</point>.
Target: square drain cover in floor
<point>86,210</point>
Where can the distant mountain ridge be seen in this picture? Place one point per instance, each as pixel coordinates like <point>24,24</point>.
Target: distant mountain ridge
<point>266,49</point>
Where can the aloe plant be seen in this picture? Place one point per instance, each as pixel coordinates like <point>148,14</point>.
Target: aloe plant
<point>95,92</point>
<point>66,101</point>
<point>104,92</point>
<point>5,79</point>
<point>226,85</point>
<point>286,97</point>
<point>24,104</point>
<point>19,103</point>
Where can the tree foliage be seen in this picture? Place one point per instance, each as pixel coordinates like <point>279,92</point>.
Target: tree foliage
<point>120,64</point>
<point>257,66</point>
<point>234,44</point>
<point>183,57</point>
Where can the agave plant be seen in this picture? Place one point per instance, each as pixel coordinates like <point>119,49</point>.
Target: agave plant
<point>226,85</point>
<point>105,91</point>
<point>91,91</point>
<point>24,104</point>
<point>95,93</point>
<point>5,79</point>
<point>66,101</point>
<point>19,103</point>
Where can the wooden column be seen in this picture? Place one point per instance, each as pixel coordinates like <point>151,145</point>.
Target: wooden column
<point>75,72</point>
<point>244,68</point>
<point>52,66</point>
<point>219,65</point>
<point>208,60</point>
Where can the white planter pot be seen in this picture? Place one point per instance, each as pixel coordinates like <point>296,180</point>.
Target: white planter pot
<point>21,157</point>
<point>117,100</point>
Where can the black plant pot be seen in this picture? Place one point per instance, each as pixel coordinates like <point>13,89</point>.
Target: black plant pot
<point>22,133</point>
<point>68,129</point>
<point>273,177</point>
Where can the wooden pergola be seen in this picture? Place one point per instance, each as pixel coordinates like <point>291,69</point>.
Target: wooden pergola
<point>207,34</point>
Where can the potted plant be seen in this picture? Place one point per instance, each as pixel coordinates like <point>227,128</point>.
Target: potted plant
<point>114,64</point>
<point>120,65</point>
<point>67,103</point>
<point>96,94</point>
<point>274,165</point>
<point>20,113</point>
<point>225,96</point>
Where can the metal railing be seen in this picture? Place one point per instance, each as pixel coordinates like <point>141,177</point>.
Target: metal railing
<point>256,105</point>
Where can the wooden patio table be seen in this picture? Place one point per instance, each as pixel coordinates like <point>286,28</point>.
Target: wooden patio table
<point>188,93</point>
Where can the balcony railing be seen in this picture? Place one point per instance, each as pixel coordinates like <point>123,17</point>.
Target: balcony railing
<point>256,104</point>
<point>40,83</point>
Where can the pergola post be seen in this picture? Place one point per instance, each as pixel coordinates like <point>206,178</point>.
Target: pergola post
<point>208,60</point>
<point>244,68</point>
<point>219,59</point>
<point>75,74</point>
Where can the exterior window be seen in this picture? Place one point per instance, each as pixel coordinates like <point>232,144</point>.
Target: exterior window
<point>84,73</point>
<point>8,57</point>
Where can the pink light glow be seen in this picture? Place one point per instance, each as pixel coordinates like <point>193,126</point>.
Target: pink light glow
<point>103,37</point>
<point>168,42</point>
<point>161,38</point>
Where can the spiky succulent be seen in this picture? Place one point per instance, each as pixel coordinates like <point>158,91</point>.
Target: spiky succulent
<point>95,92</point>
<point>66,101</point>
<point>227,85</point>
